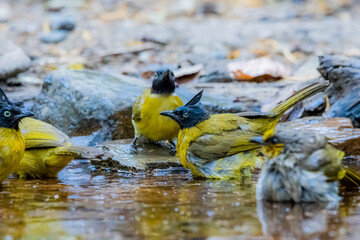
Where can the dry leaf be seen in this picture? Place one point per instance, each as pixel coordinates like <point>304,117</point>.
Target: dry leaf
<point>147,74</point>
<point>258,70</point>
<point>185,74</point>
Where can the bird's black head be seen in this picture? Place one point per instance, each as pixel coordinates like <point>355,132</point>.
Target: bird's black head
<point>164,82</point>
<point>10,113</point>
<point>189,115</point>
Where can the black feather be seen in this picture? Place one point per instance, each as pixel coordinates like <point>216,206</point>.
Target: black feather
<point>195,99</point>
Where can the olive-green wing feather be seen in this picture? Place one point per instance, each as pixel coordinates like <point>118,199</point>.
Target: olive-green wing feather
<point>351,178</point>
<point>259,121</point>
<point>39,134</point>
<point>138,105</point>
<point>215,146</point>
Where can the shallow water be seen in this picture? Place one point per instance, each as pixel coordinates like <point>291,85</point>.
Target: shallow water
<point>83,204</point>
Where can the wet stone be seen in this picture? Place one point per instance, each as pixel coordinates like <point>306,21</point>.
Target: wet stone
<point>98,105</point>
<point>81,103</point>
<point>148,157</point>
<point>340,131</point>
<point>13,59</point>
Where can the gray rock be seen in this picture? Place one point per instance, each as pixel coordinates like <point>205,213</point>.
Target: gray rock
<point>344,94</point>
<point>97,105</point>
<point>82,102</point>
<point>53,36</point>
<point>5,12</point>
<point>13,59</point>
<point>62,22</point>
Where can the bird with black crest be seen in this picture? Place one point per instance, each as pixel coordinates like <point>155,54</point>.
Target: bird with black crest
<point>146,117</point>
<point>219,146</point>
<point>47,149</point>
<point>12,142</point>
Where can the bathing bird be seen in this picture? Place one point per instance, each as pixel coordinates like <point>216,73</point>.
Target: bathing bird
<point>219,146</point>
<point>48,150</point>
<point>12,143</point>
<point>301,166</point>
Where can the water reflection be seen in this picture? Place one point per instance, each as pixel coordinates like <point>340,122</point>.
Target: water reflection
<point>83,204</point>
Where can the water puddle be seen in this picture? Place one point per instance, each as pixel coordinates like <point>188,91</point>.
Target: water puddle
<point>82,204</point>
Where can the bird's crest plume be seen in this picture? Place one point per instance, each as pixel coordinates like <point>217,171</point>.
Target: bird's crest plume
<point>3,97</point>
<point>195,99</point>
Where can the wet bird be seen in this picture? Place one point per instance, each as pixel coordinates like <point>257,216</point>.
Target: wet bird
<point>48,150</point>
<point>12,143</point>
<point>301,167</point>
<point>218,146</point>
<point>146,117</point>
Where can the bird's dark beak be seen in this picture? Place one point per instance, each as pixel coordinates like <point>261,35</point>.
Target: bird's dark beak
<point>169,114</point>
<point>24,115</point>
<point>167,73</point>
<point>258,139</point>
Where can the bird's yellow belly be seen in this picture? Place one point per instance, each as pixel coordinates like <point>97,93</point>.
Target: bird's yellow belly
<point>12,147</point>
<point>157,129</point>
<point>42,163</point>
<point>153,125</point>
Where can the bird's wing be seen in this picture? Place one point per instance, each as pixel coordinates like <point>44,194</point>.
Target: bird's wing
<point>138,105</point>
<point>259,121</point>
<point>39,134</point>
<point>327,159</point>
<point>255,115</point>
<point>215,146</point>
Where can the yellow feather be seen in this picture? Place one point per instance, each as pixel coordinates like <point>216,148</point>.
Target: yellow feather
<point>48,150</point>
<point>41,134</point>
<point>147,120</point>
<point>12,148</point>
<point>242,155</point>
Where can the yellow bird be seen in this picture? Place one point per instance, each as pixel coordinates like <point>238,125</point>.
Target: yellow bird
<point>301,167</point>
<point>12,144</point>
<point>218,146</point>
<point>48,150</point>
<point>146,117</point>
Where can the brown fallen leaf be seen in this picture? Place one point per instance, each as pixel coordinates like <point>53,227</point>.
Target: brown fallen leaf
<point>147,74</point>
<point>185,74</point>
<point>258,70</point>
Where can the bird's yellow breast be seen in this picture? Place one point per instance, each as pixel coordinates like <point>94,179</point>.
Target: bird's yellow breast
<point>12,147</point>
<point>151,124</point>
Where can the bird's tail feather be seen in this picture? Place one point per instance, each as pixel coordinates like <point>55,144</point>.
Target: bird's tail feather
<point>300,95</point>
<point>352,177</point>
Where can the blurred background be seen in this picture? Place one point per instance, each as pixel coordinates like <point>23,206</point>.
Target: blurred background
<point>202,41</point>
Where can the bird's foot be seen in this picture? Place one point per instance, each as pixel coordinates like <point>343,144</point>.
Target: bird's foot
<point>168,146</point>
<point>133,149</point>
<point>133,146</point>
